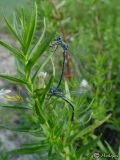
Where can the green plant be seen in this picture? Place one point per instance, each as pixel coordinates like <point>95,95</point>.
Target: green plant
<point>55,135</point>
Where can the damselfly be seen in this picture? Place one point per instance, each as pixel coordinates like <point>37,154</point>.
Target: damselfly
<point>64,46</point>
<point>54,91</point>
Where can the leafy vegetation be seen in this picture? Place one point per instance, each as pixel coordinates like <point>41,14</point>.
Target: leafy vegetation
<point>91,28</point>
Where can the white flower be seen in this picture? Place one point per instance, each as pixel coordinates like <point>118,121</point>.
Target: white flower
<point>43,74</point>
<point>41,80</point>
<point>3,92</point>
<point>72,39</point>
<point>84,83</point>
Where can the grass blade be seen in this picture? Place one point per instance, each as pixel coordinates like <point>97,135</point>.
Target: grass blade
<point>40,68</point>
<point>83,149</point>
<point>13,31</point>
<point>31,29</point>
<point>23,23</point>
<point>39,49</point>
<point>8,106</point>
<point>110,149</point>
<point>19,129</point>
<point>89,129</point>
<point>30,150</point>
<point>13,79</point>
<point>12,50</point>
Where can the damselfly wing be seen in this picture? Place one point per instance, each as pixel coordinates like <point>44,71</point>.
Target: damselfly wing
<point>72,93</point>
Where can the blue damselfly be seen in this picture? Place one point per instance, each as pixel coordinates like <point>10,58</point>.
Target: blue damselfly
<point>54,91</point>
<point>59,42</point>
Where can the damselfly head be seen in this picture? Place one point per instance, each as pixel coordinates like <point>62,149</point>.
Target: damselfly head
<point>52,90</point>
<point>59,38</point>
<point>56,41</point>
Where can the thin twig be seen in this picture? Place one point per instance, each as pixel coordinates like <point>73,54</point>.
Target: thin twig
<point>99,34</point>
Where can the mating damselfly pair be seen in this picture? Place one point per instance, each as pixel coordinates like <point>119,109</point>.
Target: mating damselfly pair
<point>55,90</point>
<point>64,46</point>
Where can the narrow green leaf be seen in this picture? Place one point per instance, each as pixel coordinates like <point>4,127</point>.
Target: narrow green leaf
<point>15,106</point>
<point>39,111</point>
<point>46,91</point>
<point>84,148</point>
<point>31,29</point>
<point>14,129</point>
<point>110,148</point>
<point>48,85</point>
<point>40,101</point>
<point>39,41</point>
<point>37,51</point>
<point>27,128</point>
<point>88,129</point>
<point>38,143</point>
<point>58,130</point>
<point>23,24</point>
<point>13,50</point>
<point>102,146</point>
<point>13,79</point>
<point>40,68</point>
<point>30,150</point>
<point>13,31</point>
<point>71,105</point>
<point>16,26</point>
<point>20,68</point>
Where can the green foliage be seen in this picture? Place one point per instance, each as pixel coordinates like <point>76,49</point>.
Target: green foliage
<point>93,58</point>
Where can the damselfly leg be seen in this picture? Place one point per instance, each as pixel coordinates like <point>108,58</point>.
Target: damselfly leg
<point>61,95</point>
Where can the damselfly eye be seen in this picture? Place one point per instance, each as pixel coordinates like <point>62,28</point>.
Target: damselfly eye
<point>59,38</point>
